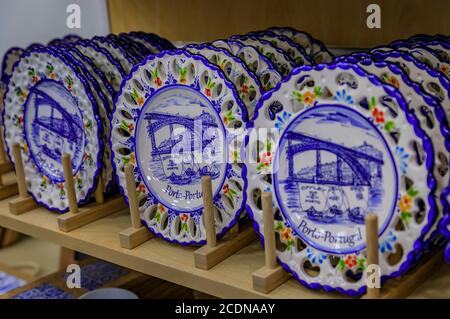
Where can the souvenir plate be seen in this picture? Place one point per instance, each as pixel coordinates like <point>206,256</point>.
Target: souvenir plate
<point>49,110</point>
<point>304,39</point>
<point>324,181</point>
<point>131,48</point>
<point>245,81</point>
<point>110,67</point>
<point>430,114</point>
<point>104,102</point>
<point>294,50</point>
<point>175,119</point>
<point>432,82</point>
<point>441,48</point>
<point>116,51</point>
<point>155,40</point>
<point>279,58</point>
<point>254,60</point>
<point>9,59</point>
<point>321,53</point>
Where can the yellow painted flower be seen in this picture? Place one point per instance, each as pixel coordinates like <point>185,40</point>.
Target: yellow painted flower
<point>308,98</point>
<point>394,82</point>
<point>444,68</point>
<point>286,233</point>
<point>405,203</point>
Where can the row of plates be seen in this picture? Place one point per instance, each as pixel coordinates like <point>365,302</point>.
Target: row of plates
<point>332,139</point>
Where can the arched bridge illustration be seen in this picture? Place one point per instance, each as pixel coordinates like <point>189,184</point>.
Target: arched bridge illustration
<point>157,121</point>
<point>58,132</point>
<point>364,166</point>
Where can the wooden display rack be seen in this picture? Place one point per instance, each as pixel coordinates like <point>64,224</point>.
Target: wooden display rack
<point>76,217</point>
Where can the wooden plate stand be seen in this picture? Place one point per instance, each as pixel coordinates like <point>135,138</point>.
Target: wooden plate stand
<point>76,217</point>
<point>272,275</point>
<point>6,189</point>
<point>137,234</point>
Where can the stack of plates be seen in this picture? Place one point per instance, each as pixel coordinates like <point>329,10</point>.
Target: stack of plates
<point>59,99</point>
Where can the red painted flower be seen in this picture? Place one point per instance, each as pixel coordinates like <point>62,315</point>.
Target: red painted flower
<point>225,189</point>
<point>130,127</point>
<point>158,81</point>
<point>351,261</point>
<point>378,115</point>
<point>184,217</point>
<point>266,158</point>
<point>208,92</point>
<point>20,119</point>
<point>34,79</point>
<point>61,185</point>
<point>141,188</point>
<point>244,89</point>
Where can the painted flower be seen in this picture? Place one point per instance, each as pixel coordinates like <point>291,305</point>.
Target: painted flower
<point>44,181</point>
<point>127,126</point>
<point>405,203</point>
<point>266,158</point>
<point>388,243</point>
<point>137,98</point>
<point>62,190</point>
<point>378,115</point>
<point>244,89</point>
<point>282,119</point>
<point>444,68</point>
<point>69,82</point>
<point>392,80</point>
<point>21,93</point>
<point>308,98</point>
<point>228,117</point>
<point>87,157</point>
<point>50,71</point>
<point>183,73</point>
<point>184,217</point>
<point>315,258</point>
<point>129,159</point>
<point>209,86</point>
<point>351,261</point>
<point>141,188</point>
<point>229,192</point>
<point>343,97</point>
<point>34,76</point>
<point>403,157</point>
<point>286,233</point>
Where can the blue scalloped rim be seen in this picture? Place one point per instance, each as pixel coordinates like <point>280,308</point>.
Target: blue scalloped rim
<point>68,52</point>
<point>4,77</point>
<point>230,86</point>
<point>266,43</point>
<point>70,64</point>
<point>125,54</point>
<point>431,182</point>
<point>229,55</point>
<point>284,38</point>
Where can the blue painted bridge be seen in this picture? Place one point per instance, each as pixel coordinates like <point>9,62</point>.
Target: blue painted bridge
<point>157,121</point>
<point>362,164</point>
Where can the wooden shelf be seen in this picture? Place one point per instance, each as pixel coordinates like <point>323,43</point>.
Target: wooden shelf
<point>231,278</point>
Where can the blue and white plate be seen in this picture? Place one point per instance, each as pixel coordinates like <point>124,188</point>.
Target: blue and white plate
<point>268,76</point>
<point>9,59</point>
<point>176,120</point>
<point>245,81</point>
<point>432,119</point>
<point>332,144</point>
<point>433,83</point>
<point>118,53</point>
<point>50,110</point>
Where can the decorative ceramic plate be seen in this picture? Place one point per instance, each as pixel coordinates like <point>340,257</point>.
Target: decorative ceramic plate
<point>245,81</point>
<point>432,82</point>
<point>49,110</point>
<point>116,51</point>
<point>176,118</point>
<point>430,114</point>
<point>369,155</point>
<point>110,67</point>
<point>104,102</point>
<point>254,60</point>
<point>155,40</point>
<point>279,58</point>
<point>132,49</point>
<point>305,40</point>
<point>296,53</point>
<point>9,59</point>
